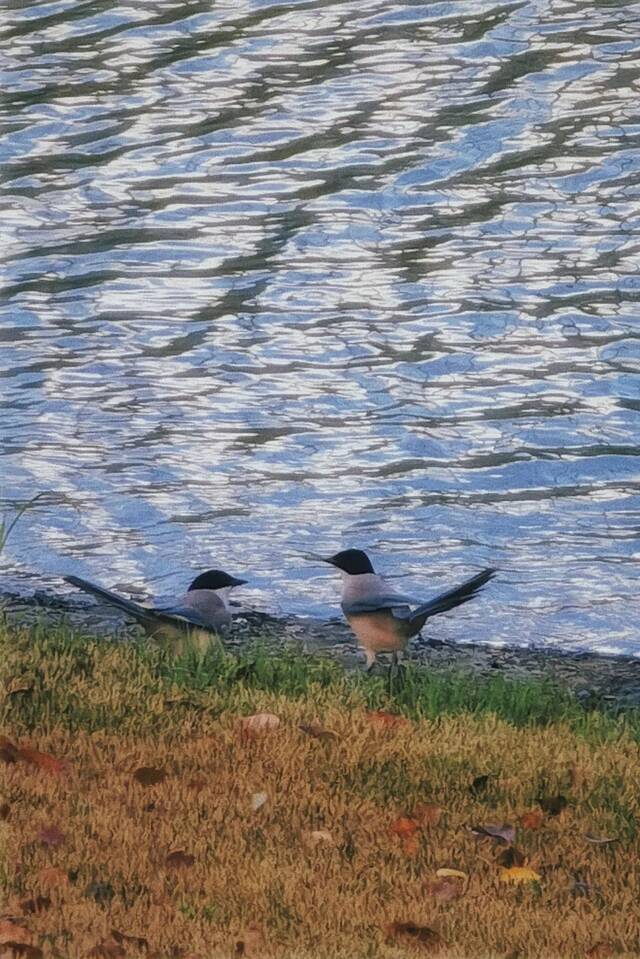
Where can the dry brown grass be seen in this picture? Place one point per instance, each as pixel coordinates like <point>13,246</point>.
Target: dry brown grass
<point>259,878</point>
<point>258,873</point>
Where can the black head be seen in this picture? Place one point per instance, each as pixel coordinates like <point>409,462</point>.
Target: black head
<point>352,561</point>
<point>215,579</point>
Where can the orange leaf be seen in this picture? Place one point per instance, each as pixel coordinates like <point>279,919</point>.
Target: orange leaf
<point>11,931</point>
<point>404,827</point>
<point>44,761</point>
<point>531,820</point>
<point>386,720</point>
<point>409,933</point>
<point>52,877</point>
<point>259,724</point>
<point>148,776</point>
<point>411,846</point>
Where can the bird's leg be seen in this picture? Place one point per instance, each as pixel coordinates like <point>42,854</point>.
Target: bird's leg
<point>371,661</point>
<point>393,671</point>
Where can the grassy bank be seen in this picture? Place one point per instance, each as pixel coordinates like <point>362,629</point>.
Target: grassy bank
<point>152,808</point>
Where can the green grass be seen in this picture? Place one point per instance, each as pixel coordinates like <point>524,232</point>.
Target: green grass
<point>94,684</point>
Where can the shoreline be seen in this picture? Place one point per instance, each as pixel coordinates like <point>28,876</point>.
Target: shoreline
<point>594,678</point>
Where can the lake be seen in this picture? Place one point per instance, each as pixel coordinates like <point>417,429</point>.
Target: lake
<point>305,275</point>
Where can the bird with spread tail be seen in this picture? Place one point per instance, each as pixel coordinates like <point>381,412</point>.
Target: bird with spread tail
<point>195,618</point>
<point>382,619</point>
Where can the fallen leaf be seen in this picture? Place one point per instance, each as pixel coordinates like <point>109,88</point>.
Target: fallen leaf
<point>139,942</point>
<point>411,846</point>
<point>510,857</point>
<point>604,841</point>
<point>8,750</point>
<point>386,720</point>
<point>404,827</point>
<point>35,904</point>
<point>44,761</point>
<point>253,941</point>
<point>451,873</point>
<point>553,805</point>
<point>51,836</point>
<point>18,949</point>
<point>52,877</point>
<point>197,785</point>
<point>318,836</point>
<point>532,819</point>
<point>518,874</point>
<point>12,931</point>
<point>427,814</point>
<point>179,859</point>
<point>444,889</point>
<point>19,687</point>
<point>101,892</point>
<point>260,723</point>
<point>258,800</point>
<point>411,934</point>
<point>479,784</point>
<point>601,950</point>
<point>5,811</point>
<point>149,776</point>
<point>581,888</point>
<point>108,948</point>
<point>318,731</point>
<point>500,831</point>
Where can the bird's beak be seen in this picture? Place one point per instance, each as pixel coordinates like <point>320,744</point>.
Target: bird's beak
<point>239,582</point>
<point>315,557</point>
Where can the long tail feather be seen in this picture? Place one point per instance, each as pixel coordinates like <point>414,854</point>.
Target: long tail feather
<point>452,598</point>
<point>124,604</point>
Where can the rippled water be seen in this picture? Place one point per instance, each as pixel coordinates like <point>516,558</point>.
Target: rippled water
<point>310,274</point>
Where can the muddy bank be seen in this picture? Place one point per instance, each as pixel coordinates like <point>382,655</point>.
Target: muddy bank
<point>594,678</point>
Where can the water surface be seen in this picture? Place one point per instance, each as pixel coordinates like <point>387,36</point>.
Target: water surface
<point>312,274</point>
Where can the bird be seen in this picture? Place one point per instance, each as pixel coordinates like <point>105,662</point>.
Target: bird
<point>194,619</point>
<point>382,619</point>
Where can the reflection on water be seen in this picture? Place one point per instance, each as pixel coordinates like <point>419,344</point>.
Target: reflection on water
<point>305,274</point>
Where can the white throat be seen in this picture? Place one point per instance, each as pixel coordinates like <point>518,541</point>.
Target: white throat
<point>359,584</point>
<point>223,593</point>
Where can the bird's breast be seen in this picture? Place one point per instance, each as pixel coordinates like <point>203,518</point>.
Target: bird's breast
<point>380,631</point>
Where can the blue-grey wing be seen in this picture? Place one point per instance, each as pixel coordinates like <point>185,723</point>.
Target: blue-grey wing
<point>186,614</point>
<point>398,604</point>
